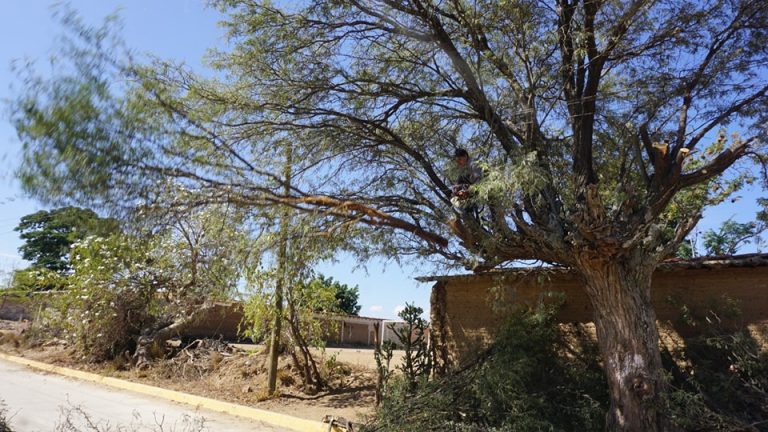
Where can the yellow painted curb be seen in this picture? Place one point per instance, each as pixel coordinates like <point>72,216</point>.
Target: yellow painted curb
<point>276,419</point>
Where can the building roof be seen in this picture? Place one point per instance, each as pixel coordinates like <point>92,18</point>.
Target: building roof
<point>672,264</point>
<point>344,317</point>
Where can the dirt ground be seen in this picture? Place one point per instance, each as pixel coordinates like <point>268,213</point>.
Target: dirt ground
<point>234,373</point>
<point>362,357</point>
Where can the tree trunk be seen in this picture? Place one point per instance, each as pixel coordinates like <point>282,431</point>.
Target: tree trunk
<point>313,381</point>
<point>629,342</point>
<point>274,341</point>
<point>282,271</point>
<point>154,339</point>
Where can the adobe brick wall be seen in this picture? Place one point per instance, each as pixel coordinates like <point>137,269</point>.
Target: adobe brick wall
<point>222,321</point>
<point>468,311</point>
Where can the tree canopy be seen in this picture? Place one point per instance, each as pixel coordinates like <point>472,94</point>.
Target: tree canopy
<point>590,118</point>
<point>730,237</point>
<point>346,296</point>
<point>48,235</point>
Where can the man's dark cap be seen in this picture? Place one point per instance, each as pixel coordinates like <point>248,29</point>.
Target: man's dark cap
<point>459,152</point>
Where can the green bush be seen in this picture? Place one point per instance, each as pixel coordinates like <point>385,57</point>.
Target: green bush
<point>110,299</point>
<point>525,382</point>
<point>537,377</point>
<point>38,279</point>
<point>719,378</point>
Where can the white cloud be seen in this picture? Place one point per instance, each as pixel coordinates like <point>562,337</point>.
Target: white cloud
<point>376,308</point>
<point>399,308</point>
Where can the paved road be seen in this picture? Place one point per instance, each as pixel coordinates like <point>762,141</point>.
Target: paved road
<point>39,402</point>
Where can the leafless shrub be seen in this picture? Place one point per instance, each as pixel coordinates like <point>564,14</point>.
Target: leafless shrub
<point>5,418</point>
<point>74,418</point>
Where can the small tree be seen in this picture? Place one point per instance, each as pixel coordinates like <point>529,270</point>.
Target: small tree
<point>302,329</point>
<point>730,237</point>
<point>287,290</point>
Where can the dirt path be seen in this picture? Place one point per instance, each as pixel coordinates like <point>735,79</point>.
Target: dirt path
<point>362,357</point>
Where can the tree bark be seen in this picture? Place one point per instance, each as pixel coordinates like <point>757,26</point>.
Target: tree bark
<point>274,341</point>
<point>282,262</point>
<point>629,341</point>
<point>154,339</point>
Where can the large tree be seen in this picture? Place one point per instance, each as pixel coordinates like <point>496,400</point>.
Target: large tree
<point>605,127</point>
<point>346,296</point>
<point>48,235</point>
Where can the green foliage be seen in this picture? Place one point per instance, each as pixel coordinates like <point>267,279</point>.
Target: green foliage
<point>111,298</point>
<point>529,380</point>
<point>412,337</point>
<point>346,296</point>
<point>297,310</point>
<point>538,376</point>
<point>720,375</point>
<point>307,297</point>
<point>418,357</point>
<point>124,286</point>
<point>762,214</point>
<point>38,279</point>
<point>564,104</point>
<point>48,235</point>
<point>730,237</point>
<point>287,298</point>
<point>108,130</point>
<point>205,251</point>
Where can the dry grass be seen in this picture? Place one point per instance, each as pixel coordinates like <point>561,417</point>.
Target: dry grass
<point>9,338</point>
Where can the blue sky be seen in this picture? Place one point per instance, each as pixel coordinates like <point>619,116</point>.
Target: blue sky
<point>183,30</point>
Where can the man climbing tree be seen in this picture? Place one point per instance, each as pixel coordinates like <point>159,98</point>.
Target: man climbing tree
<point>607,127</point>
<point>467,174</point>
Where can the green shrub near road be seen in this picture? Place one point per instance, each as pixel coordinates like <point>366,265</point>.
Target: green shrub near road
<point>538,377</point>
<point>525,382</point>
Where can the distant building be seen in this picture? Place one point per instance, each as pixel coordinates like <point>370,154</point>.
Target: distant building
<point>223,321</point>
<point>364,331</point>
<point>352,330</point>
